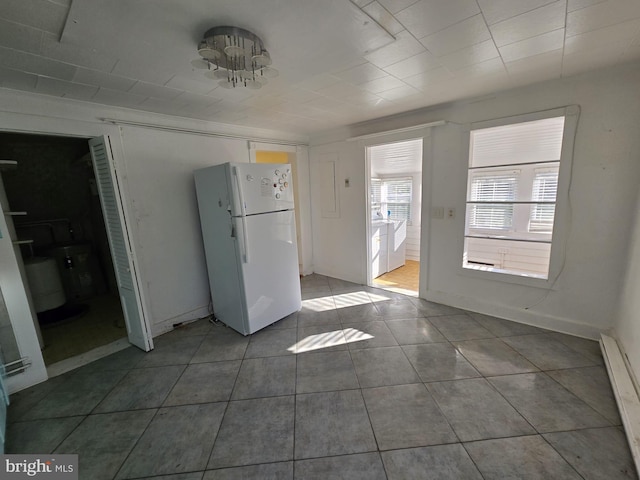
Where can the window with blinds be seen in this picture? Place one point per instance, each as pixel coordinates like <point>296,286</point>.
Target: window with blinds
<point>545,190</point>
<point>492,188</point>
<point>391,197</point>
<point>511,196</point>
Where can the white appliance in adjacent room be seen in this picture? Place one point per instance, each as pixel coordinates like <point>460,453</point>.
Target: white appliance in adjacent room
<point>249,233</point>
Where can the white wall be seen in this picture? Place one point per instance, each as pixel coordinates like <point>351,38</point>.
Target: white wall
<point>339,242</point>
<point>606,173</point>
<point>155,166</point>
<point>159,169</point>
<point>627,325</point>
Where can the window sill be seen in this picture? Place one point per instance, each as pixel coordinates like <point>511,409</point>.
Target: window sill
<point>506,276</point>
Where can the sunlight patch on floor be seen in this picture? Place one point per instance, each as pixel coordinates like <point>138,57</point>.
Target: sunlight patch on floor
<point>343,300</point>
<point>329,339</point>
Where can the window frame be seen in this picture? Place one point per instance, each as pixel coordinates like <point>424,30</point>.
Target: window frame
<point>562,206</point>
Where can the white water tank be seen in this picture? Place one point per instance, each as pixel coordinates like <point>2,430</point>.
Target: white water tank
<point>44,282</point>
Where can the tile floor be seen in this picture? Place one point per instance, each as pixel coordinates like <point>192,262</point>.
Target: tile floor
<point>361,384</point>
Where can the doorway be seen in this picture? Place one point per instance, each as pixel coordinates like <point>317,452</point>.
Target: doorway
<point>395,192</point>
<point>62,242</point>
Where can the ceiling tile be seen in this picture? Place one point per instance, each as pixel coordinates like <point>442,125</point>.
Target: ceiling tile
<point>495,11</point>
<point>238,94</point>
<point>394,6</point>
<point>184,83</point>
<point>586,60</point>
<point>19,80</point>
<point>147,71</point>
<point>382,84</point>
<point>383,17</point>
<point>361,3</point>
<point>60,88</point>
<point>329,105</point>
<point>101,79</point>
<point>400,93</point>
<point>39,14</point>
<point>533,46</point>
<point>167,107</point>
<point>298,95</point>
<point>263,102</point>
<point>601,15</point>
<point>426,80</point>
<point>477,53</point>
<point>185,99</point>
<point>317,82</point>
<point>75,55</point>
<point>431,16</point>
<point>456,37</point>
<point>549,62</point>
<point>531,24</point>
<point>64,3</point>
<point>156,91</point>
<point>493,66</point>
<point>367,99</point>
<point>118,98</point>
<point>573,5</point>
<point>189,98</point>
<point>361,74</point>
<point>622,33</point>
<point>404,47</point>
<point>412,66</point>
<point>340,90</point>
<point>30,63</point>
<point>20,37</point>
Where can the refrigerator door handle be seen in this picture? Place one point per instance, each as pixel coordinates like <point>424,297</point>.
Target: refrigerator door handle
<point>245,236</point>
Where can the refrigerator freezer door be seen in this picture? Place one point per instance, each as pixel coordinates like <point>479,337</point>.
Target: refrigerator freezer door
<point>264,187</point>
<point>222,246</point>
<point>271,277</point>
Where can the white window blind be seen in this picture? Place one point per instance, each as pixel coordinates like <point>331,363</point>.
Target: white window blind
<point>545,189</point>
<point>492,188</point>
<point>398,198</point>
<point>391,197</point>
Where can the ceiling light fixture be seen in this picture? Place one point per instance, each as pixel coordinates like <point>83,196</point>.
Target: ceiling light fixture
<point>234,56</point>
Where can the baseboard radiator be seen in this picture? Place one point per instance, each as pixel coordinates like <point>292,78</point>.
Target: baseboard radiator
<point>625,392</point>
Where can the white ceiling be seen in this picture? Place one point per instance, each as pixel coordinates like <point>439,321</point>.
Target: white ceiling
<point>340,61</point>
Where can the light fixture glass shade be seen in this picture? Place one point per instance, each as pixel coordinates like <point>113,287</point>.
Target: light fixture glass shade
<point>269,72</point>
<point>262,59</point>
<point>235,55</point>
<point>208,53</point>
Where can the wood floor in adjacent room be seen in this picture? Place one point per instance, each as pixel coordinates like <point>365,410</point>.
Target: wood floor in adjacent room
<point>401,280</point>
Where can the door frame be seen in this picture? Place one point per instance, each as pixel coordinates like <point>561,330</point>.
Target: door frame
<point>303,187</point>
<point>38,124</point>
<point>383,138</point>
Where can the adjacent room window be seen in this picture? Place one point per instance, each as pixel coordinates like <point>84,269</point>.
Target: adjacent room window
<point>511,197</point>
<point>391,198</point>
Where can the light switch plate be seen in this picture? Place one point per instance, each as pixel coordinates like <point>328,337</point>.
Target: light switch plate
<point>437,212</point>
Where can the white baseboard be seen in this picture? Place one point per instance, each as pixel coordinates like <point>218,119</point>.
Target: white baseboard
<point>167,325</point>
<point>626,395</point>
<point>528,317</point>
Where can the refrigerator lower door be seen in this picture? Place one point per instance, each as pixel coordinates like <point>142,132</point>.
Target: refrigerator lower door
<point>270,273</point>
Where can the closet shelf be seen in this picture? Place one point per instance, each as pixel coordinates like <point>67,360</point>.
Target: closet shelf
<point>8,164</point>
<point>22,242</point>
<point>15,214</point>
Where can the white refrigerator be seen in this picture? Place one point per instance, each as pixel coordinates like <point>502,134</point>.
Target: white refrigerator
<point>249,233</point>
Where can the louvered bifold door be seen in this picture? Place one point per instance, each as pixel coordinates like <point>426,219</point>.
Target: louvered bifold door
<point>119,243</point>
